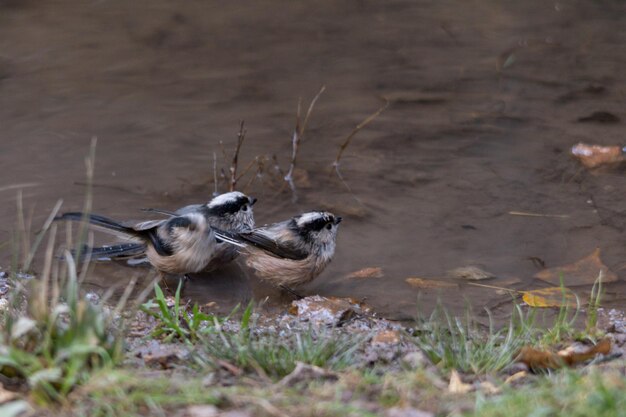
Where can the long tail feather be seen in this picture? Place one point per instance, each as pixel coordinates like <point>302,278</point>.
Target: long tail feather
<point>97,220</point>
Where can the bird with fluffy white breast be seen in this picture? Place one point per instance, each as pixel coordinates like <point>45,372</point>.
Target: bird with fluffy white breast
<point>293,252</point>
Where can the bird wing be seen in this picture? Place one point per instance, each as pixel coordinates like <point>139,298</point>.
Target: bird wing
<point>283,249</point>
<point>160,211</point>
<point>147,225</point>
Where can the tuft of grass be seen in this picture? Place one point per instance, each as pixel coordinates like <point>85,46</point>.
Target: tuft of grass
<point>564,325</point>
<point>176,322</point>
<point>122,393</point>
<point>595,299</point>
<point>275,355</point>
<point>568,393</point>
<point>52,338</point>
<point>455,343</point>
<point>60,337</point>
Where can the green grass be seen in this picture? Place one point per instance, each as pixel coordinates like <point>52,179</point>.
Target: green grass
<point>566,394</point>
<point>275,355</point>
<point>60,338</point>
<point>123,393</point>
<point>176,322</point>
<point>52,338</point>
<point>460,343</point>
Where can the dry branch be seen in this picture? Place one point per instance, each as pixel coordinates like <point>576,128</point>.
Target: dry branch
<point>358,127</point>
<point>233,166</point>
<point>298,133</point>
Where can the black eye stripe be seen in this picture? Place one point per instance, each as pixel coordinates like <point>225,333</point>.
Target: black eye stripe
<point>319,223</point>
<point>231,207</point>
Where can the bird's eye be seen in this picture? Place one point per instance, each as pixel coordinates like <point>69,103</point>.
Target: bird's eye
<point>329,226</point>
<point>245,207</point>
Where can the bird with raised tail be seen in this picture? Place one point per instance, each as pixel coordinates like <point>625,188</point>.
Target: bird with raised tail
<point>178,245</point>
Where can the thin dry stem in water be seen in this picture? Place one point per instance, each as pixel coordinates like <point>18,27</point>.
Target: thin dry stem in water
<point>45,274</point>
<point>84,224</point>
<point>298,133</point>
<point>215,192</point>
<point>358,127</point>
<point>233,166</point>
<point>345,144</point>
<point>21,225</point>
<point>31,254</point>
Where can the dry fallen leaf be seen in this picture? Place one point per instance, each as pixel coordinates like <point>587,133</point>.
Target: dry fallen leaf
<point>488,388</point>
<point>537,359</point>
<point>550,297</point>
<point>429,283</point>
<point>6,395</point>
<point>371,272</point>
<point>470,273</point>
<point>304,372</point>
<point>456,385</point>
<point>516,377</point>
<point>327,310</point>
<point>582,272</point>
<point>593,156</point>
<point>387,337</point>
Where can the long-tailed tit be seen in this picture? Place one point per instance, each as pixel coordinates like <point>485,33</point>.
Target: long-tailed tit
<point>178,245</point>
<point>229,211</point>
<point>292,252</point>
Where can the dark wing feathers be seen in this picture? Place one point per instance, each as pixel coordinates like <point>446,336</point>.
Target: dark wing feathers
<point>262,241</point>
<point>142,232</point>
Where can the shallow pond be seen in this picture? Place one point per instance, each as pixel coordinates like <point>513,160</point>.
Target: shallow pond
<point>484,98</point>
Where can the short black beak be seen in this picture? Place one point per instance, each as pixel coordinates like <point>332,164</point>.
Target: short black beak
<point>252,200</point>
<point>337,220</point>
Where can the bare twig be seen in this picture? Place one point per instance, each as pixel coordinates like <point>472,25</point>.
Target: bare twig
<point>233,166</point>
<point>256,160</point>
<point>298,133</point>
<point>358,127</point>
<point>215,193</point>
<point>83,231</point>
<point>247,168</point>
<point>310,110</point>
<point>527,214</point>
<point>347,141</point>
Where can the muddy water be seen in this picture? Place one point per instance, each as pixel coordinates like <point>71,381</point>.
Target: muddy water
<point>484,101</point>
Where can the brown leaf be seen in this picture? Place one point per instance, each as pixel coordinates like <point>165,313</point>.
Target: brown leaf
<point>470,273</point>
<point>371,272</point>
<point>429,283</point>
<point>327,310</point>
<point>540,359</point>
<point>593,156</point>
<point>582,272</point>
<point>387,337</point>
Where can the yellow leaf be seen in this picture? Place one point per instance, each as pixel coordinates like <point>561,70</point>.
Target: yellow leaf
<point>550,297</point>
<point>456,385</point>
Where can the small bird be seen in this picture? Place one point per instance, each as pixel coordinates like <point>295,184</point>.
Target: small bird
<point>230,211</point>
<point>178,245</point>
<point>292,252</point>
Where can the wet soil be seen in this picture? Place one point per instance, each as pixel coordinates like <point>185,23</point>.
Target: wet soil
<point>486,98</point>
